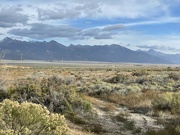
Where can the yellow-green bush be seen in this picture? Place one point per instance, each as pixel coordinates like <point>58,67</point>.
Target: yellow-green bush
<point>163,102</point>
<point>167,101</point>
<point>28,118</point>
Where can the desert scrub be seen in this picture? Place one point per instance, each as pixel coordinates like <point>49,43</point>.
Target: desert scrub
<point>168,101</point>
<point>25,87</point>
<point>28,118</point>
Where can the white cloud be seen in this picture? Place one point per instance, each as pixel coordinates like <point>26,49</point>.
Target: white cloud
<point>98,9</point>
<point>132,8</point>
<point>93,9</point>
<point>134,38</point>
<point>156,21</point>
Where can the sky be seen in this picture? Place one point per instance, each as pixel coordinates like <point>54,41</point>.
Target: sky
<point>135,24</point>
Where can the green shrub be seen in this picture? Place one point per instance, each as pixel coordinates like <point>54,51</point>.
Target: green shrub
<point>28,118</point>
<point>176,103</point>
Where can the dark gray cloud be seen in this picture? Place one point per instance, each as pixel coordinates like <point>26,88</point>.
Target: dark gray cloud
<point>97,33</point>
<point>6,24</point>
<point>43,31</point>
<point>10,16</point>
<point>102,33</point>
<point>159,47</point>
<point>149,47</point>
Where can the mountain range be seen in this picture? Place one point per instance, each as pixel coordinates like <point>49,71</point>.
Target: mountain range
<point>53,50</point>
<point>173,58</point>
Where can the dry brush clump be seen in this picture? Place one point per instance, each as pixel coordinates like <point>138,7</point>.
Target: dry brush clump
<point>174,76</point>
<point>29,119</point>
<point>141,72</point>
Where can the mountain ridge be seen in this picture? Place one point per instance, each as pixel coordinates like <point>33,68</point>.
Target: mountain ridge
<point>53,50</point>
<point>174,58</point>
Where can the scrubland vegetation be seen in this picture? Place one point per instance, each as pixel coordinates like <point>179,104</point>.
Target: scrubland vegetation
<point>135,100</point>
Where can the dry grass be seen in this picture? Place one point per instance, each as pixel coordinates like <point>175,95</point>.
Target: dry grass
<point>132,100</point>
